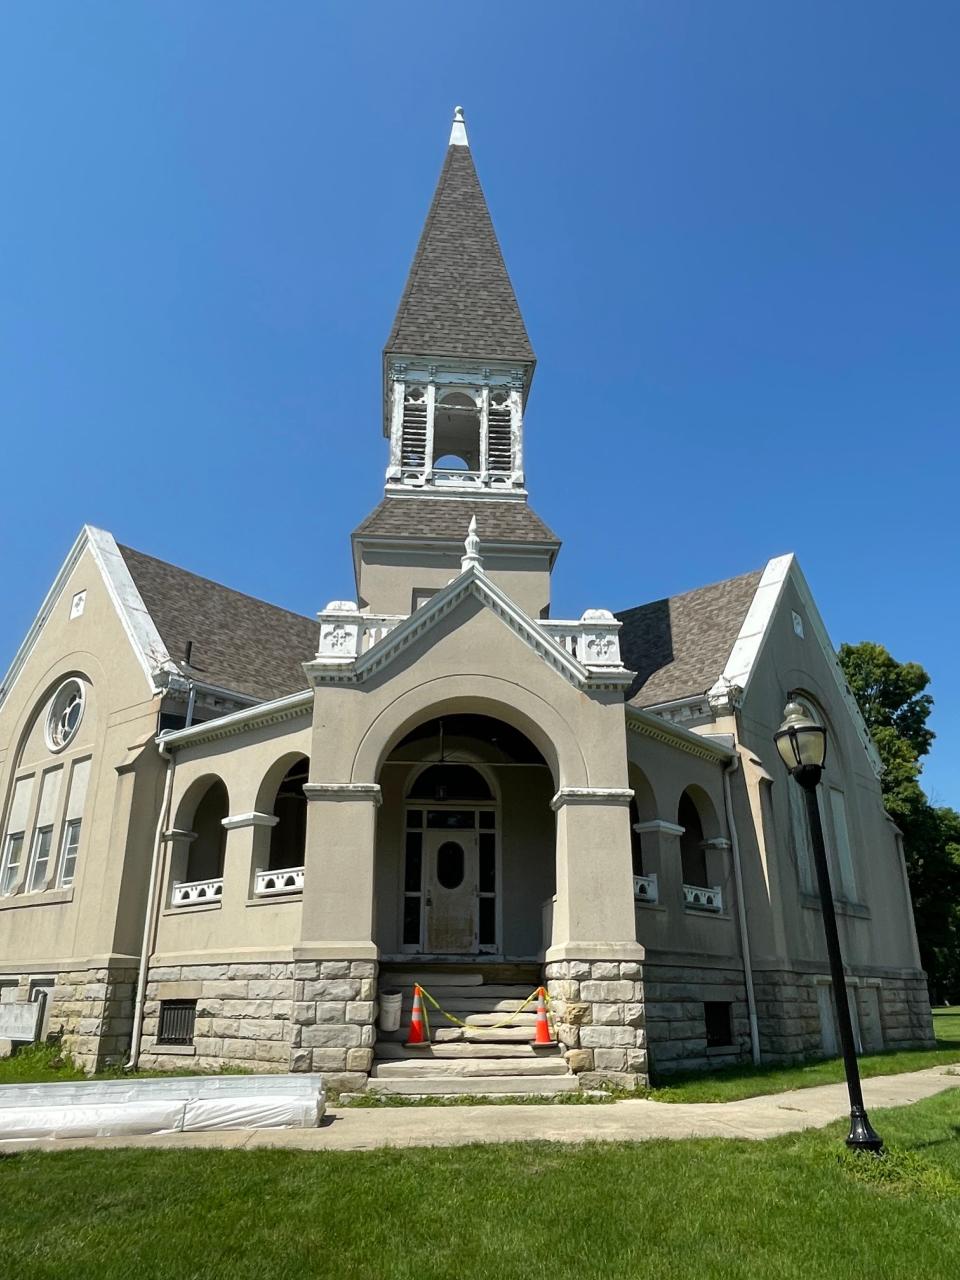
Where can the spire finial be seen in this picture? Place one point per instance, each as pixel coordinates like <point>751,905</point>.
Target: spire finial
<point>458,134</point>
<point>472,548</point>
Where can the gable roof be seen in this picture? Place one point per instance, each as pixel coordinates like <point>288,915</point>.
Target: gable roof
<point>458,299</point>
<point>240,643</point>
<point>680,645</point>
<point>446,519</point>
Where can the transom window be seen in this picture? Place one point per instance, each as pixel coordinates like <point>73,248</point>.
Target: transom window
<point>66,712</point>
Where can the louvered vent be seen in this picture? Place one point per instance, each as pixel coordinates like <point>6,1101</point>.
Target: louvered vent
<point>499,445</point>
<point>413,454</point>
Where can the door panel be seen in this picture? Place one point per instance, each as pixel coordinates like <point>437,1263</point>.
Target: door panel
<point>451,884</point>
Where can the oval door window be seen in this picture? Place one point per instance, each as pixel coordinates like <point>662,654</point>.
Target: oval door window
<point>450,865</point>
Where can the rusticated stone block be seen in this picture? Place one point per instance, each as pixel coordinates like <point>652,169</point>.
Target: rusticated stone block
<point>607,1037</point>
<point>363,968</point>
<point>359,1059</point>
<point>579,1060</point>
<point>301,1059</point>
<point>607,991</point>
<point>605,969</point>
<point>333,989</point>
<point>204,972</point>
<point>335,969</point>
<point>329,1011</point>
<point>607,1014</point>
<point>329,1059</point>
<point>610,1059</point>
<point>269,989</point>
<point>360,1011</point>
<point>317,1036</point>
<point>247,971</point>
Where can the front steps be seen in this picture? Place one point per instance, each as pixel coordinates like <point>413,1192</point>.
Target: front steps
<point>478,1059</point>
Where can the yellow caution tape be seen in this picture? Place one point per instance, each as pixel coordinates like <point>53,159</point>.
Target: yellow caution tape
<point>471,1025</point>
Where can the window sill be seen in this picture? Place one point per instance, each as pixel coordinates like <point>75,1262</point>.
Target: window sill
<point>193,907</point>
<point>272,899</point>
<point>174,1050</point>
<point>45,898</point>
<point>700,914</point>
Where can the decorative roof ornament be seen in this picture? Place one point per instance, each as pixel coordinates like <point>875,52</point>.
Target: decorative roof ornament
<point>472,548</point>
<point>458,134</point>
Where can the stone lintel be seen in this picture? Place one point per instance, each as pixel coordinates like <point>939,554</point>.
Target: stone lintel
<point>591,795</point>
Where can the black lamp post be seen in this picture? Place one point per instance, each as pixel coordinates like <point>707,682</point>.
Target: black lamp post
<point>802,744</point>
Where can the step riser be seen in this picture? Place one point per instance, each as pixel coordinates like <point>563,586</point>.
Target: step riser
<point>455,995</point>
<point>463,1049</point>
<point>478,1087</point>
<point>433,1067</point>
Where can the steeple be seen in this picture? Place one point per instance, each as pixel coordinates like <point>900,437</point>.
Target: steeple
<point>458,299</point>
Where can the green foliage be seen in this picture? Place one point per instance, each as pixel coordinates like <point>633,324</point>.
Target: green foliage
<point>896,707</point>
<point>901,1172</point>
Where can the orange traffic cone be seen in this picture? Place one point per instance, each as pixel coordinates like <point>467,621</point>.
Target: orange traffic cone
<point>543,1035</point>
<point>418,1032</point>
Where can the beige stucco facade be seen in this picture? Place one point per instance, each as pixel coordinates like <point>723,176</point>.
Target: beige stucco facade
<point>230,867</point>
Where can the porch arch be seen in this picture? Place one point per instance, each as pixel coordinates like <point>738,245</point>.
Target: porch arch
<point>489,696</point>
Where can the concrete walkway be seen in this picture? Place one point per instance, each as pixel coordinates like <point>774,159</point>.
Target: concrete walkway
<point>359,1129</point>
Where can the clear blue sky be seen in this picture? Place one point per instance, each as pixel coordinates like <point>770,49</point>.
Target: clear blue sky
<point>732,227</point>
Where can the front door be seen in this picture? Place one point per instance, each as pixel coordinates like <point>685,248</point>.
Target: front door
<point>451,885</point>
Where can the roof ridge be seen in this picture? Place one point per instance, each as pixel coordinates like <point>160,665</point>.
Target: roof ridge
<point>199,577</point>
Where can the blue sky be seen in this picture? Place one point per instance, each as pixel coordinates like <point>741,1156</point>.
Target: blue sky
<point>732,229</point>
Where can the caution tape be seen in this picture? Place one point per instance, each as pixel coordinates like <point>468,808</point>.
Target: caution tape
<point>472,1025</point>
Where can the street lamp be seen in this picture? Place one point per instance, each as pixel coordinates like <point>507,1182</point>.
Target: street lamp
<point>802,744</point>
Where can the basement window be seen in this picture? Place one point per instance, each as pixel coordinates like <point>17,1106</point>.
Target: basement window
<point>716,1014</point>
<point>177,1020</point>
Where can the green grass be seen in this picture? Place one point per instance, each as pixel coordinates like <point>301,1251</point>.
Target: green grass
<point>731,1083</point>
<point>793,1208</point>
<point>47,1064</point>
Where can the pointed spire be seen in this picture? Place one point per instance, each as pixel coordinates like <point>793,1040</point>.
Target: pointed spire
<point>458,299</point>
<point>458,134</point>
<point>472,548</point>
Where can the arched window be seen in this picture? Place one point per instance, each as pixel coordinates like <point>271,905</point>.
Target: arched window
<point>456,431</point>
<point>288,839</point>
<point>693,857</point>
<point>450,782</point>
<point>205,858</point>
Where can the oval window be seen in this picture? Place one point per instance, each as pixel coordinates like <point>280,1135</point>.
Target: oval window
<point>63,718</point>
<point>450,865</point>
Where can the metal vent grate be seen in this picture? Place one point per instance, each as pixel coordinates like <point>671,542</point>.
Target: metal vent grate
<point>177,1019</point>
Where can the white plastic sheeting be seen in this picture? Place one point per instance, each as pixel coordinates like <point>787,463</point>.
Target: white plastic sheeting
<point>178,1104</point>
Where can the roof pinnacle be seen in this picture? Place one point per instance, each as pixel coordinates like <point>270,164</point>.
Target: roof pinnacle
<point>458,134</point>
<point>472,548</point>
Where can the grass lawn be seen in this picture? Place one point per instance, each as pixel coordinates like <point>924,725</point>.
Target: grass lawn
<point>731,1083</point>
<point>792,1207</point>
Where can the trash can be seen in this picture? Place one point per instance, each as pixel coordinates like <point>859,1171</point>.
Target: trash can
<point>391,1003</point>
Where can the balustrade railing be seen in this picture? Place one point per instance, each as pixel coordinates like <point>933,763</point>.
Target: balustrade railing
<point>702,899</point>
<point>268,883</point>
<point>645,888</point>
<point>187,893</point>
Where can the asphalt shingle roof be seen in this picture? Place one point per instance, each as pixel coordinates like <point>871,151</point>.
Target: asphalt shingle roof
<point>448,518</point>
<point>679,646</point>
<point>239,643</point>
<point>458,298</point>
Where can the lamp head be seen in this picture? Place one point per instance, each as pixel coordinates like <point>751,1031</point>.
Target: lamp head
<point>802,744</point>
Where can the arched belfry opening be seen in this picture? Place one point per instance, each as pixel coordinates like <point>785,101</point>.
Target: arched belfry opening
<point>466,841</point>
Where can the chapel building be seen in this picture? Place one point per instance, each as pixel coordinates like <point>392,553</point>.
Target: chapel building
<point>226,829</point>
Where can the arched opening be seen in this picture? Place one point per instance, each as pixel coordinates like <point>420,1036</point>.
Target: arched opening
<point>466,840</point>
<point>288,839</point>
<point>456,432</point>
<point>205,855</point>
<point>693,855</point>
<point>643,810</point>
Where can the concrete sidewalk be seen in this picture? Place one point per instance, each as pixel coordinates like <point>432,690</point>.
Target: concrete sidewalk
<point>359,1129</point>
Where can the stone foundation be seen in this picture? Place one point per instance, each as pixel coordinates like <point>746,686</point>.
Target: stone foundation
<point>94,1010</point>
<point>335,1004</point>
<point>676,1025</point>
<point>598,1011</point>
<point>244,1014</point>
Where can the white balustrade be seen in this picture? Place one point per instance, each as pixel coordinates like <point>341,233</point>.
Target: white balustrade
<point>187,893</point>
<point>287,880</point>
<point>594,640</point>
<point>645,888</point>
<point>702,899</point>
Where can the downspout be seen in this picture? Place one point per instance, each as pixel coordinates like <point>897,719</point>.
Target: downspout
<point>150,917</point>
<point>742,912</point>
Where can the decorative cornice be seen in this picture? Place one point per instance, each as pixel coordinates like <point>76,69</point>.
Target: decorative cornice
<point>236,821</point>
<point>278,711</point>
<point>591,795</point>
<point>647,725</point>
<point>343,791</point>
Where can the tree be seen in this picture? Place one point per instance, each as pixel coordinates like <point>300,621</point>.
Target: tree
<point>896,707</point>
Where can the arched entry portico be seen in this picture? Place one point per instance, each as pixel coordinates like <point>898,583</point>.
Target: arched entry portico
<point>465,841</point>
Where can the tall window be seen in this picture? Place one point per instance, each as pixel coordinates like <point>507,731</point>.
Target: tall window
<point>68,852</point>
<point>12,857</point>
<point>841,835</point>
<point>39,859</point>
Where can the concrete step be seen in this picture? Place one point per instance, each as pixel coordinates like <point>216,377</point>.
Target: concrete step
<point>476,1086</point>
<point>405,1067</point>
<point>387,1049</point>
<point>502,1035</point>
<point>453,994</point>
<point>495,1019</point>
<point>407,978</point>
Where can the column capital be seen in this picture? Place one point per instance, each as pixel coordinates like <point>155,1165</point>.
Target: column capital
<point>176,833</point>
<point>591,795</point>
<point>249,820</point>
<point>369,791</point>
<point>657,824</point>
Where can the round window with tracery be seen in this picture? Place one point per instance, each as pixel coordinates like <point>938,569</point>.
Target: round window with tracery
<point>66,711</point>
